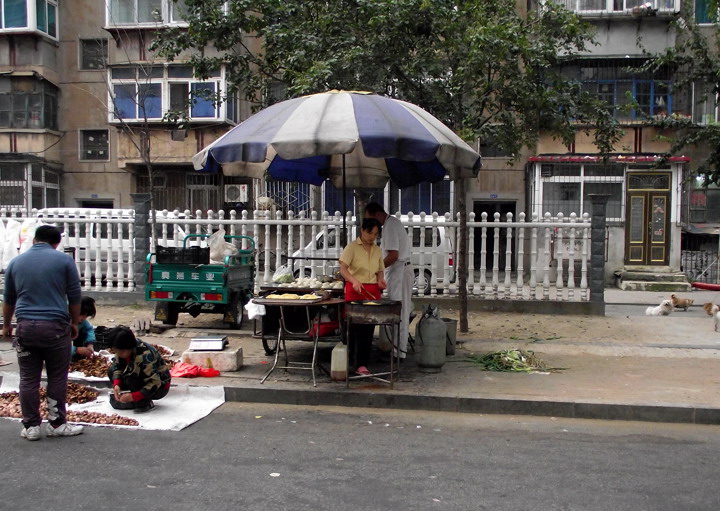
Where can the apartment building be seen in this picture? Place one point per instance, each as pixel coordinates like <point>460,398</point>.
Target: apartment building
<point>645,207</point>
<point>80,93</point>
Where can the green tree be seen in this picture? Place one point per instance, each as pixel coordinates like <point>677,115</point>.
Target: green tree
<point>484,68</point>
<point>695,60</point>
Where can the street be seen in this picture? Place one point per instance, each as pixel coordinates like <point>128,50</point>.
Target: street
<point>253,456</point>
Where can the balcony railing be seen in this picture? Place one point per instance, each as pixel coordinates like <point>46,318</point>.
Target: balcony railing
<point>621,7</point>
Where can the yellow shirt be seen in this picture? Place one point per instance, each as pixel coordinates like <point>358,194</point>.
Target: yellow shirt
<point>362,265</point>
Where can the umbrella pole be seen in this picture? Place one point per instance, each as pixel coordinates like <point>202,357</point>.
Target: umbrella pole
<point>344,198</point>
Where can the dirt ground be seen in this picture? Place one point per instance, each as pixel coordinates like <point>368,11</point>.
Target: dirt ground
<point>482,325</point>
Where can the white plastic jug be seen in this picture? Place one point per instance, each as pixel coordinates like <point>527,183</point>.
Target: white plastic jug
<point>338,363</point>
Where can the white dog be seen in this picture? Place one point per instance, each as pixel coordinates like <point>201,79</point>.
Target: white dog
<point>715,313</point>
<point>664,309</point>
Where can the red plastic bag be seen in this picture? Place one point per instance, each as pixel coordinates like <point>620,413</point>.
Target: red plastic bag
<point>185,370</point>
<point>208,372</point>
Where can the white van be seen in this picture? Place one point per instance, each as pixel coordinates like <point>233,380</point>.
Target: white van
<point>442,245</point>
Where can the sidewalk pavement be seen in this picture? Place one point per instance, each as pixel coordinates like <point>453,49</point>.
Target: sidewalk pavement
<point>624,366</point>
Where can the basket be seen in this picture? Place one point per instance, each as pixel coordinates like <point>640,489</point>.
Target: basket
<point>187,255</point>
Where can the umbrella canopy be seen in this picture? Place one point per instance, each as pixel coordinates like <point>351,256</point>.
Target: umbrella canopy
<point>357,139</point>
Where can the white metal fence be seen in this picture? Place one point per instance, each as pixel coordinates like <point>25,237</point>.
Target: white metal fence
<point>543,258</point>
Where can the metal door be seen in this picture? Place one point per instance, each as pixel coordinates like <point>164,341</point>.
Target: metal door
<point>647,218</point>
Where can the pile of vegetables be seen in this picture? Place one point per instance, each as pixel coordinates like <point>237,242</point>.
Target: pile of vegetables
<point>510,360</point>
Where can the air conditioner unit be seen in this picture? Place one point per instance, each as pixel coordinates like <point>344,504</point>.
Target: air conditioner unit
<point>236,193</point>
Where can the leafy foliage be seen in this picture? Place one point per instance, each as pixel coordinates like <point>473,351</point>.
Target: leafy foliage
<point>481,67</point>
<point>696,63</point>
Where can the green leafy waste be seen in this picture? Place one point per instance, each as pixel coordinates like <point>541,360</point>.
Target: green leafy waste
<point>511,361</point>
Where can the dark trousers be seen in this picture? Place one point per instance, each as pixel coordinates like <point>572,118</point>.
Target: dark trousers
<point>38,343</point>
<point>134,384</point>
<point>361,337</point>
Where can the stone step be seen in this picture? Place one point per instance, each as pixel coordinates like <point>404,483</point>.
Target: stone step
<point>644,285</point>
<point>652,277</point>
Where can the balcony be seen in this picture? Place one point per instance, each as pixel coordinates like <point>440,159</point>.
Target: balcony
<point>622,8</point>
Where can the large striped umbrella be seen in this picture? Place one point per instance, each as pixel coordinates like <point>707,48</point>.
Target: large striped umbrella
<point>357,139</point>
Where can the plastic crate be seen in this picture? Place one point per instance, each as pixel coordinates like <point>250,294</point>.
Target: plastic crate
<point>102,342</point>
<point>187,255</point>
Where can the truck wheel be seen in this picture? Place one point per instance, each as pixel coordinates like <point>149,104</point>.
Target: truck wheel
<point>167,312</point>
<point>270,345</point>
<point>234,311</point>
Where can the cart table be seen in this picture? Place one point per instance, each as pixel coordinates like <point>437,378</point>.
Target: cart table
<point>376,312</point>
<point>312,311</point>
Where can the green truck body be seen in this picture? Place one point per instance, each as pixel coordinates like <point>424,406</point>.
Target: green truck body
<point>201,288</point>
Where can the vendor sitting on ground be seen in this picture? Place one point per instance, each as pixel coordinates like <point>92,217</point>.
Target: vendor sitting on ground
<point>362,267</point>
<point>138,372</point>
<point>83,344</point>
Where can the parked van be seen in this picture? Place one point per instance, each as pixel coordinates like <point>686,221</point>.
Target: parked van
<point>442,245</point>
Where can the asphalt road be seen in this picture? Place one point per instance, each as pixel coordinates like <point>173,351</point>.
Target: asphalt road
<point>262,457</point>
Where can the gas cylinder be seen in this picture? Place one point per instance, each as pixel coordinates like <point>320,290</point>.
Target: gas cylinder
<point>430,339</point>
<point>338,363</point>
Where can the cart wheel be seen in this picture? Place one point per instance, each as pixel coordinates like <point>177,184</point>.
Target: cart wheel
<point>167,312</point>
<point>234,311</point>
<point>270,345</point>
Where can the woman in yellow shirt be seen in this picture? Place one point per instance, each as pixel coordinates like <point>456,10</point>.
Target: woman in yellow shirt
<point>362,267</point>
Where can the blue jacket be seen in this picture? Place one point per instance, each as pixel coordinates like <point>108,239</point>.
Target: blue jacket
<point>41,282</point>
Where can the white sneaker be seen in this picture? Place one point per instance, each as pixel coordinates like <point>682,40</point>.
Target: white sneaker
<point>32,433</point>
<point>62,430</point>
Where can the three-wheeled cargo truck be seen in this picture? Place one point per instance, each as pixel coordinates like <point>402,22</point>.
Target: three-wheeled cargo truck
<point>183,280</point>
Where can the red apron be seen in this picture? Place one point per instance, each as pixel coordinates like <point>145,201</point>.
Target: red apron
<point>371,289</point>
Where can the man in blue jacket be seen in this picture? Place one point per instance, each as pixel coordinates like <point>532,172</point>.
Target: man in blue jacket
<point>42,289</point>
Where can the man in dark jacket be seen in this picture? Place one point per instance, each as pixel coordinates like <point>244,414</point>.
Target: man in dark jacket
<point>42,290</point>
<point>138,372</point>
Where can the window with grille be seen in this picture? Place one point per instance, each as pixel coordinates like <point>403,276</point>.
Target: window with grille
<point>94,145</point>
<point>613,80</point>
<point>566,189</point>
<point>93,54</point>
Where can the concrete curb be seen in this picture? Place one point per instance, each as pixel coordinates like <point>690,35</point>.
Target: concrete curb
<point>500,406</point>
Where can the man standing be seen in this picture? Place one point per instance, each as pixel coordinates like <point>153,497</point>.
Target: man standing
<point>399,274</point>
<point>42,289</point>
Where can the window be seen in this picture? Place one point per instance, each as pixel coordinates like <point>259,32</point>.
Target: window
<point>94,145</point>
<point>26,102</point>
<point>46,11</point>
<point>705,206</point>
<point>93,53</point>
<point>151,92</point>
<point>146,12</point>
<point>16,14</point>
<point>704,12</point>
<point>566,188</point>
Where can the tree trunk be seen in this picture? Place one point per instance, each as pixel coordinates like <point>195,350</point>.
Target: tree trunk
<point>145,155</point>
<point>462,264</point>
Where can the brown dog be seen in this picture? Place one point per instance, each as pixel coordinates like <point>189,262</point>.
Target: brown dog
<point>681,303</point>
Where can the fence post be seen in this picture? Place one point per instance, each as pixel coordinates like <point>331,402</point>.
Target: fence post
<point>597,247</point>
<point>141,203</point>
